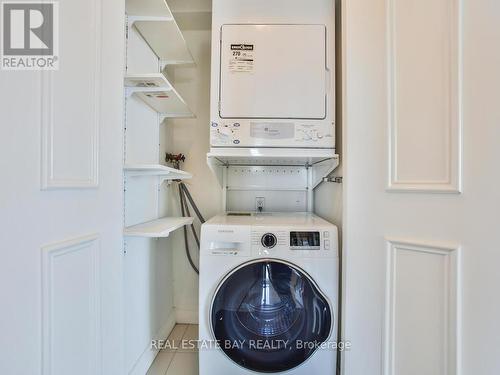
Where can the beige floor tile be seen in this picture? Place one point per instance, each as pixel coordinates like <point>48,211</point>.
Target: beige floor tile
<point>191,332</point>
<point>161,363</point>
<point>190,339</point>
<point>184,364</point>
<point>183,361</point>
<point>178,332</point>
<point>175,337</point>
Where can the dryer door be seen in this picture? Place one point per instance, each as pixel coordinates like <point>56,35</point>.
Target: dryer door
<point>269,316</point>
<point>284,62</point>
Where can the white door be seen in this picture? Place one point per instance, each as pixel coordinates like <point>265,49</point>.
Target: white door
<point>422,197</point>
<point>61,201</point>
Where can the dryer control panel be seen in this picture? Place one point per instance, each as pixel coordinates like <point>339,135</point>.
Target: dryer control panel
<point>244,133</point>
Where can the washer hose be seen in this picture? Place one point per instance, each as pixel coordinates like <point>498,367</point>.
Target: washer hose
<point>185,196</point>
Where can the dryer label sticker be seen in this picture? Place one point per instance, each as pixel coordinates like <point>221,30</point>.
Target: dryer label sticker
<point>269,130</point>
<point>242,58</point>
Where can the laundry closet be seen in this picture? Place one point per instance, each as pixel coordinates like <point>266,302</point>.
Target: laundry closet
<point>246,92</point>
<point>290,177</point>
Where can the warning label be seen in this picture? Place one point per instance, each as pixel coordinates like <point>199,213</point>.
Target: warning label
<point>242,58</point>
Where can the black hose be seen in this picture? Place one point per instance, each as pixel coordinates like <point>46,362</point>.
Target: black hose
<point>186,243</point>
<point>195,208</point>
<point>192,225</point>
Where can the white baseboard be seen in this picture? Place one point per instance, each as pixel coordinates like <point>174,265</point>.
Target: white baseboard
<point>186,316</point>
<point>148,355</point>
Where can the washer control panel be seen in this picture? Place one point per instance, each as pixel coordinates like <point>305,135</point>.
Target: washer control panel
<point>309,240</point>
<point>268,242</point>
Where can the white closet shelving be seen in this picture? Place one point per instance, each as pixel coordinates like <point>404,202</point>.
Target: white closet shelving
<point>156,91</point>
<point>277,171</point>
<point>269,156</point>
<point>156,170</point>
<point>320,162</point>
<point>152,21</point>
<point>146,82</point>
<point>152,8</point>
<point>157,228</point>
<point>156,24</point>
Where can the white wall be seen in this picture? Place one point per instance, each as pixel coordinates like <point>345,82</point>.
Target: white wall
<point>328,201</point>
<point>192,139</point>
<point>328,196</point>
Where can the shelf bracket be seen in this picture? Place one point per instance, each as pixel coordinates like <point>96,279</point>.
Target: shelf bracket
<point>322,169</point>
<point>335,179</point>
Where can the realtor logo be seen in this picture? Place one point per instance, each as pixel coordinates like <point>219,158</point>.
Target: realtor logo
<point>30,35</point>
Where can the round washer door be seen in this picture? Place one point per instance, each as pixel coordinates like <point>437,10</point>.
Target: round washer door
<point>269,316</point>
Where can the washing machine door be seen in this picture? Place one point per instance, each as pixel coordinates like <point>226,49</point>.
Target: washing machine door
<point>269,316</point>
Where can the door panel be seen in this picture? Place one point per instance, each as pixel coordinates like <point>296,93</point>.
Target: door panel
<point>71,100</point>
<point>424,61</point>
<point>421,308</point>
<point>421,117</point>
<point>71,298</point>
<point>61,202</point>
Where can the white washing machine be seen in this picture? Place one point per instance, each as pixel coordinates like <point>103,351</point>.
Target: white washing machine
<point>268,294</point>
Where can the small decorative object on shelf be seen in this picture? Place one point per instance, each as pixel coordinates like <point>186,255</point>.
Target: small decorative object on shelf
<point>175,159</point>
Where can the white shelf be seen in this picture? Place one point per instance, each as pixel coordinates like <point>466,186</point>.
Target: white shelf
<point>194,20</point>
<point>146,82</point>
<point>154,21</point>
<point>321,162</point>
<point>156,170</point>
<point>167,103</point>
<point>157,228</point>
<point>156,91</point>
<point>270,156</point>
<point>148,8</point>
<point>264,188</point>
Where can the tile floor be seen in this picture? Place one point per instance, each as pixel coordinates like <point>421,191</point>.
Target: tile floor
<point>180,358</point>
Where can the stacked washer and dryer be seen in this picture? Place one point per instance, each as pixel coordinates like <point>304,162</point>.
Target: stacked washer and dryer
<point>268,296</point>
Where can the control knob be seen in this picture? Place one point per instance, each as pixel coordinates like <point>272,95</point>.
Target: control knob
<point>268,240</point>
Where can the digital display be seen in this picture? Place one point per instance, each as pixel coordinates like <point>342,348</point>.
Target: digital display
<point>304,241</point>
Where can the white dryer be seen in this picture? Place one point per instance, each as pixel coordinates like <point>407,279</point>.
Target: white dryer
<point>268,294</point>
<point>272,78</point>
